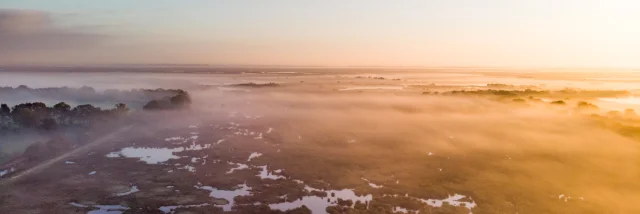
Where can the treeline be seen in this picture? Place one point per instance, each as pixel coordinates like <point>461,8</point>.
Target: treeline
<point>136,98</point>
<point>179,101</point>
<point>502,85</point>
<point>532,92</point>
<point>39,115</point>
<point>256,85</point>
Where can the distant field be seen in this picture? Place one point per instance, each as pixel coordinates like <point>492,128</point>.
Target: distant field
<point>364,141</point>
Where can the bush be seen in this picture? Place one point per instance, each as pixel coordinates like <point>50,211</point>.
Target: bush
<point>152,105</point>
<point>586,105</point>
<point>181,100</point>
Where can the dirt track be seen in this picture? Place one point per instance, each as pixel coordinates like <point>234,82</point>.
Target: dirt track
<point>48,163</point>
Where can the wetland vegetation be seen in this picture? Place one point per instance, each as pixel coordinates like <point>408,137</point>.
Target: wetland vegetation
<point>307,146</point>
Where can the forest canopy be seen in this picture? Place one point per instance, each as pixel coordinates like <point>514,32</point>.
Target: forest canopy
<point>48,117</point>
<point>134,98</point>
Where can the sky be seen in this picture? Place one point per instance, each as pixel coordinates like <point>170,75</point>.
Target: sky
<point>425,33</point>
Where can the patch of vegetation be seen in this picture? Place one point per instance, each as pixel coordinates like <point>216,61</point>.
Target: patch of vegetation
<point>370,77</point>
<point>499,85</point>
<point>180,101</point>
<point>39,115</point>
<point>257,85</point>
<point>626,125</point>
<point>587,105</point>
<point>546,93</point>
<point>135,97</point>
<point>493,92</point>
<point>533,99</point>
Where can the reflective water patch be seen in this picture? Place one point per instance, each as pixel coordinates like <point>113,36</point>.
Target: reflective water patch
<point>265,174</point>
<point>148,155</point>
<point>319,204</point>
<point>228,195</point>
<point>254,155</point>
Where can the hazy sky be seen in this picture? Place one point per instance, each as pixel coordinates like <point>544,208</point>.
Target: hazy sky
<point>547,33</point>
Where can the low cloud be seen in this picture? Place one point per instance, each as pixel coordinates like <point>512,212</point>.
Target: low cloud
<point>31,32</point>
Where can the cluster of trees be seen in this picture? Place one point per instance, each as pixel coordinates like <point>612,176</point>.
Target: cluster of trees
<point>499,85</point>
<point>377,78</point>
<point>557,93</point>
<point>179,101</point>
<point>502,85</point>
<point>135,97</point>
<point>39,115</point>
<point>587,105</point>
<point>526,92</point>
<point>256,85</point>
<point>627,113</point>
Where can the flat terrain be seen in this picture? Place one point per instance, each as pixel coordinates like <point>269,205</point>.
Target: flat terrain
<point>358,142</point>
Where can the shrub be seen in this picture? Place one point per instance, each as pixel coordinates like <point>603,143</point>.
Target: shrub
<point>586,105</point>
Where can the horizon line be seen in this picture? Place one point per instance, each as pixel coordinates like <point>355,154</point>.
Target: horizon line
<point>204,65</point>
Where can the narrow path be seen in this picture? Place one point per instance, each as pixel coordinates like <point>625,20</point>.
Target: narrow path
<point>49,162</point>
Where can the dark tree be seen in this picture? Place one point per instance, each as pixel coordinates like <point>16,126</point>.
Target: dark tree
<point>62,106</point>
<point>49,124</point>
<point>4,109</point>
<point>29,114</point>
<point>181,100</point>
<point>586,105</point>
<point>122,107</point>
<point>38,115</point>
<point>5,114</point>
<point>61,112</point>
<point>152,105</point>
<point>85,114</point>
